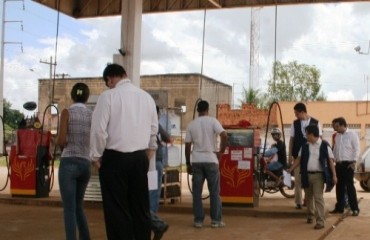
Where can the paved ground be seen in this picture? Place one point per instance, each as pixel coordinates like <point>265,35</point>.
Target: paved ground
<point>275,218</point>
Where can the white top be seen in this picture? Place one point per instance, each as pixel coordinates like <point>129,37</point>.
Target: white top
<point>124,119</point>
<point>203,132</point>
<point>347,146</point>
<point>313,164</point>
<point>304,124</point>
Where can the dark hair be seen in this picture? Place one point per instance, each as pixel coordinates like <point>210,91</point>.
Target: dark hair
<point>300,107</point>
<point>157,109</point>
<point>113,70</point>
<point>312,129</point>
<point>80,93</point>
<point>203,106</point>
<point>341,121</point>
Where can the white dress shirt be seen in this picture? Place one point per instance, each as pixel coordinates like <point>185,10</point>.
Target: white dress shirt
<point>124,119</point>
<point>304,124</point>
<point>313,164</point>
<point>347,146</point>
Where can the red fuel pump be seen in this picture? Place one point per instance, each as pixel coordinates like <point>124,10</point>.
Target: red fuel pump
<point>29,161</point>
<point>238,180</point>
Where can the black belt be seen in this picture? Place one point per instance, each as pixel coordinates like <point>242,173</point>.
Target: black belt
<point>345,162</point>
<point>314,172</point>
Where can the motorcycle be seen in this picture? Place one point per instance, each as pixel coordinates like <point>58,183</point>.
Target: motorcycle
<point>268,184</point>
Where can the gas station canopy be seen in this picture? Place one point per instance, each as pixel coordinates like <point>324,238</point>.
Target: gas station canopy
<point>101,8</point>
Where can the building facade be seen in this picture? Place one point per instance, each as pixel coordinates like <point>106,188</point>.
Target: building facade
<point>175,94</point>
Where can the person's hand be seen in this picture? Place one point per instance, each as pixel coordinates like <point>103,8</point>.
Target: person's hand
<point>96,164</point>
<point>353,166</point>
<point>335,180</point>
<point>219,155</point>
<point>189,169</point>
<point>290,160</point>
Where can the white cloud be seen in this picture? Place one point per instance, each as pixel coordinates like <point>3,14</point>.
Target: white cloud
<point>340,95</point>
<point>323,35</point>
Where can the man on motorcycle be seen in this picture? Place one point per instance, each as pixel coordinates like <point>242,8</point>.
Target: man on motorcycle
<point>277,150</point>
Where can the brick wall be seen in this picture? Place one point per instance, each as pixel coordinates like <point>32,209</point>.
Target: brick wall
<point>257,117</point>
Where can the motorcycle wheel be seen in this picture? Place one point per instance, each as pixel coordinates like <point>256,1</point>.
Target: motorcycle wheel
<point>286,191</point>
<point>365,186</point>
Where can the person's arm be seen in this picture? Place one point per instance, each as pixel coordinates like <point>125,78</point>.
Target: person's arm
<point>332,169</point>
<point>187,157</point>
<point>63,129</point>
<point>290,157</point>
<point>295,164</point>
<point>165,137</point>
<point>99,125</point>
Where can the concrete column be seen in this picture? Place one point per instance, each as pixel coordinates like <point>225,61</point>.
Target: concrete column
<point>131,39</point>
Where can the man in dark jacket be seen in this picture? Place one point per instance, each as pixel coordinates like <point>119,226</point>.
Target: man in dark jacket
<point>297,139</point>
<point>316,160</point>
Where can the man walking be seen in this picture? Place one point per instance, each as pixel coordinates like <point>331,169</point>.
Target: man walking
<point>202,133</point>
<point>297,139</point>
<point>123,139</point>
<point>346,153</point>
<point>317,168</point>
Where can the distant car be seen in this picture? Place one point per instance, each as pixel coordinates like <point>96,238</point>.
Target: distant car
<point>362,173</point>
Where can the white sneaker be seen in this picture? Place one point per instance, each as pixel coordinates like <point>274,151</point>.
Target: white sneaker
<point>218,225</point>
<point>198,225</point>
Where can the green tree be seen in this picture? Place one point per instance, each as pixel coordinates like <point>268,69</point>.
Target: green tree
<point>256,97</point>
<point>12,117</point>
<point>295,82</point>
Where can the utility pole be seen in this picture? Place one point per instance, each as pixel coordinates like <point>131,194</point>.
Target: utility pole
<point>3,42</point>
<point>50,89</point>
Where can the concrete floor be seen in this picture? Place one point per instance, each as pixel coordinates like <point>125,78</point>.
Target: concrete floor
<point>275,218</point>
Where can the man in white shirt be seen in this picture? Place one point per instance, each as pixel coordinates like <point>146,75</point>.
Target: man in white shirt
<point>123,137</point>
<point>202,132</point>
<point>317,168</point>
<point>346,153</point>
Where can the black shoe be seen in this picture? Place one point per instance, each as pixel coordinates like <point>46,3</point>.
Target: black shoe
<point>335,211</point>
<point>355,213</point>
<point>309,220</point>
<point>318,226</point>
<point>298,206</point>
<point>159,234</point>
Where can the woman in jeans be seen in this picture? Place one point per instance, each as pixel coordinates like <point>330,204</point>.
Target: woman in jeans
<point>74,169</point>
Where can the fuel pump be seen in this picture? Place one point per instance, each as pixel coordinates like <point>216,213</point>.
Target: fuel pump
<point>32,164</point>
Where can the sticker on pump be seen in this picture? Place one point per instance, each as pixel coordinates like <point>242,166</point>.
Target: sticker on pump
<point>248,153</point>
<point>245,165</point>
<point>236,155</point>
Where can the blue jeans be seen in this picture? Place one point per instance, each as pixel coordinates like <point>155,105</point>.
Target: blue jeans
<point>157,224</point>
<point>211,173</point>
<point>154,195</point>
<point>74,175</point>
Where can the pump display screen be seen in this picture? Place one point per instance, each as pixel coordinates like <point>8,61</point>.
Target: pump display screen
<point>240,138</point>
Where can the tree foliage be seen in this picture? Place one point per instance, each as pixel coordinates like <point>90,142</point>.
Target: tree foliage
<point>256,97</point>
<point>12,117</point>
<point>295,82</point>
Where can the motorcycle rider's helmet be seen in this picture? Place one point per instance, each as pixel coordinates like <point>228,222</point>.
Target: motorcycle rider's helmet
<point>275,131</point>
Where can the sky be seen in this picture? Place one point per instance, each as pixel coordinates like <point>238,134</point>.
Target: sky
<point>323,35</point>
